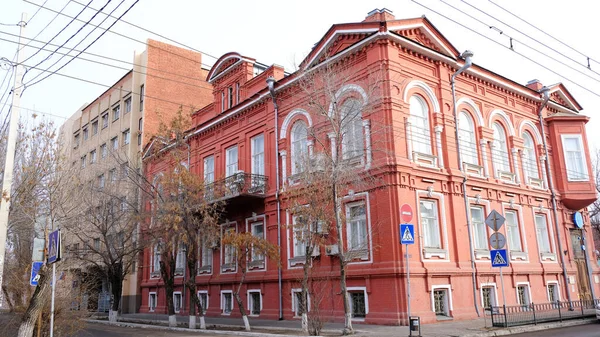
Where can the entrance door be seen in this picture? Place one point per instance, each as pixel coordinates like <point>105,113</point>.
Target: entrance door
<point>583,282</point>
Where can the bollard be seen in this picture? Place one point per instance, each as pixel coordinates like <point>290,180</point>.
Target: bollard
<point>414,324</point>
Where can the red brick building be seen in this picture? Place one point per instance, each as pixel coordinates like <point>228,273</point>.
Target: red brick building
<point>503,150</point>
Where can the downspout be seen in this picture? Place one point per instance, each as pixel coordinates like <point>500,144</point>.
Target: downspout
<point>271,84</point>
<point>544,91</point>
<point>467,56</point>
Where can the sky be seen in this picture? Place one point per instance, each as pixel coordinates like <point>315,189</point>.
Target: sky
<point>283,32</point>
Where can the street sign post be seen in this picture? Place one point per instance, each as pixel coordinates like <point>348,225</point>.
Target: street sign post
<point>35,276</point>
<point>407,237</point>
<point>495,220</point>
<point>54,246</point>
<point>497,240</point>
<point>498,256</point>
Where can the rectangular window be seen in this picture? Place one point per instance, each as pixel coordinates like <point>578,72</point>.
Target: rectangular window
<point>156,258</point>
<point>230,97</point>
<point>258,230</point>
<point>142,93</point>
<point>116,112</point>
<point>357,224</point>
<point>83,161</point>
<point>94,127</point>
<point>512,231</point>
<point>222,101</point>
<point>85,133</point>
<point>430,223</point>
<point>128,104</point>
<point>114,143</point>
<point>523,294</point>
<point>103,150</point>
<point>226,302</point>
<point>440,301</point>
<point>358,305</point>
<point>237,93</point>
<point>301,234</point>
<point>180,258</point>
<point>575,158</point>
<point>541,231</point>
<point>229,253</point>
<point>254,305</point>
<point>152,302</point>
<point>206,258</point>
<point>479,231</point>
<point>177,301</point>
<point>97,244</point>
<point>488,296</point>
<point>209,169</point>
<point>258,155</point>
<point>93,156</point>
<point>139,135</point>
<point>553,292</point>
<point>231,161</point>
<point>126,137</point>
<point>101,181</point>
<point>75,141</point>
<point>105,119</point>
<point>203,298</point>
<point>300,303</point>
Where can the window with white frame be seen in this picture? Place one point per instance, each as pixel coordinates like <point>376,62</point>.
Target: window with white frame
<point>230,97</point>
<point>85,133</point>
<point>209,169</point>
<point>128,104</point>
<point>126,137</point>
<point>92,156</point>
<point>299,147</point>
<point>488,296</point>
<point>105,119</point>
<point>419,126</point>
<point>356,217</point>
<point>231,161</point>
<point>116,112</point>
<point>226,302</point>
<point>203,298</point>
<point>529,157</point>
<point>258,230</point>
<point>541,231</point>
<point>151,302</point>
<point>300,304</point>
<point>101,181</point>
<point>257,148</point>
<point>114,141</point>
<point>358,303</point>
<point>94,127</point>
<point>300,235</point>
<point>103,150</point>
<point>156,258</point>
<point>479,228</point>
<point>254,302</point>
<point>553,295</point>
<point>180,258</point>
<point>206,256</point>
<point>500,149</point>
<point>177,301</point>
<point>523,294</point>
<point>229,252</point>
<point>467,140</point>
<point>574,157</point>
<point>83,161</point>
<point>351,128</point>
<point>441,303</point>
<point>512,231</point>
<point>430,223</point>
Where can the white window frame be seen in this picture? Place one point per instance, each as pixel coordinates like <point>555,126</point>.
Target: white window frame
<point>156,258</point>
<point>150,307</point>
<point>427,254</point>
<point>128,104</point>
<point>448,289</point>
<point>420,143</point>
<point>527,294</point>
<point>257,149</point>
<point>126,137</point>
<point>364,241</point>
<point>295,305</point>
<point>298,147</point>
<point>103,150</point>
<point>204,292</point>
<point>356,290</point>
<point>529,158</point>
<point>116,110</point>
<point>523,255</point>
<point>249,300</point>
<point>483,237</point>
<point>556,285</point>
<point>500,148</point>
<point>222,307</point>
<point>206,255</point>
<point>180,259</point>
<point>209,169</point>
<point>494,299</point>
<point>512,246</point>
<point>552,256</point>
<point>231,168</point>
<point>468,147</point>
<point>175,293</point>
<point>222,101</point>
<point>297,243</point>
<point>353,138</point>
<point>584,176</point>
<point>547,232</point>
<point>225,227</point>
<point>254,224</point>
<point>433,239</point>
<point>114,142</point>
<point>93,156</point>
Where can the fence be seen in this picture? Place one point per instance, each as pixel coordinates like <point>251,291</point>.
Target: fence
<point>513,315</point>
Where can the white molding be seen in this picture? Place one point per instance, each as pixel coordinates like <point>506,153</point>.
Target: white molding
<point>489,284</point>
<point>248,298</point>
<point>428,91</point>
<point>222,248</point>
<point>519,210</point>
<point>449,293</point>
<point>557,289</point>
<point>579,136</point>
<point>553,249</point>
<point>299,290</point>
<point>469,102</point>
<point>533,127</point>
<point>517,284</point>
<point>207,297</point>
<point>180,303</point>
<point>150,309</point>
<point>504,117</point>
<point>222,299</point>
<point>334,35</point>
<point>428,33</point>
<point>362,197</point>
<point>288,119</point>
<point>364,290</point>
<point>440,201</point>
<point>348,88</point>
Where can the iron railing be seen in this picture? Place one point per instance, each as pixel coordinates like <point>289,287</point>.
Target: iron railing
<point>512,315</point>
<point>235,185</point>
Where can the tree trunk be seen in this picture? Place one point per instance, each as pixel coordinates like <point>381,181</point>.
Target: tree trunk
<point>304,304</point>
<point>8,299</point>
<point>36,304</point>
<point>194,300</point>
<point>116,285</point>
<point>169,279</point>
<point>342,258</point>
<point>238,299</point>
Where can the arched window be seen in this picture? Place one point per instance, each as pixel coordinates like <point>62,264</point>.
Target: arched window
<point>351,127</point>
<point>529,157</point>
<point>419,120</point>
<point>466,138</point>
<point>299,148</point>
<point>500,151</point>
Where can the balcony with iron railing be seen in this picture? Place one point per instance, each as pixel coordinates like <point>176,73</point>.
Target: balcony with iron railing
<point>238,185</point>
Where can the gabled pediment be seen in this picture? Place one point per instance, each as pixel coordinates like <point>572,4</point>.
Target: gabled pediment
<point>422,31</point>
<point>560,95</point>
<point>226,63</point>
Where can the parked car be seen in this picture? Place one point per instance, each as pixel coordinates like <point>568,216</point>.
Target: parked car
<point>598,311</point>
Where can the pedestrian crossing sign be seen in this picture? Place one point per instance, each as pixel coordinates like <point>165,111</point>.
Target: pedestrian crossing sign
<point>407,234</point>
<point>499,258</point>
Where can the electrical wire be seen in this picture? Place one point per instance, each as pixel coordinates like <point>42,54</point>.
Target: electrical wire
<point>45,27</point>
<point>36,12</point>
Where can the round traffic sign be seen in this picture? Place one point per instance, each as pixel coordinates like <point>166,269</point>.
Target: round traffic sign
<point>497,240</point>
<point>406,213</point>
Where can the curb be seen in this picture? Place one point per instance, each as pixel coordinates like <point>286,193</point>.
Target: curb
<point>199,331</point>
<point>531,328</point>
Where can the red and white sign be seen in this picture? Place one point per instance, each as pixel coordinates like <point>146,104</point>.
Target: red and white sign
<point>406,213</point>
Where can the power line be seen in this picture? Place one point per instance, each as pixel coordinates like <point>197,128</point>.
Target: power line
<point>542,31</point>
<point>154,33</point>
<point>36,12</point>
<point>125,36</point>
<point>108,29</point>
<point>45,27</point>
<point>35,110</point>
<point>516,52</point>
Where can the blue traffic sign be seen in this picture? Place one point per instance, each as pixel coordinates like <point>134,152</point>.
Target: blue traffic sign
<point>499,258</point>
<point>407,234</point>
<point>35,270</point>
<point>54,246</point>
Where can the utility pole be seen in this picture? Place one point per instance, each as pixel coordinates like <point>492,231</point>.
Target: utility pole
<point>10,148</point>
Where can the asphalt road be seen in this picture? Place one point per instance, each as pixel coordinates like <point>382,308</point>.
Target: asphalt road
<point>588,330</point>
<point>101,330</point>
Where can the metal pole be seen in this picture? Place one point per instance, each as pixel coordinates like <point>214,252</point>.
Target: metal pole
<point>407,284</point>
<point>11,147</point>
<point>52,300</point>
<point>502,285</point>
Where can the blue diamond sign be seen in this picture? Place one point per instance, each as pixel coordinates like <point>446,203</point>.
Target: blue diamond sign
<point>407,234</point>
<point>499,258</point>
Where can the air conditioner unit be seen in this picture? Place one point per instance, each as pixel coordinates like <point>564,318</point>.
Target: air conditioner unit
<point>332,250</point>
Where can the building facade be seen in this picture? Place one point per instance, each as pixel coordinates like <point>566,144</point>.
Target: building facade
<point>113,128</point>
<point>411,141</point>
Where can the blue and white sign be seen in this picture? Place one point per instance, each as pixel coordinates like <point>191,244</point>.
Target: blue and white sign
<point>407,234</point>
<point>578,220</point>
<point>54,246</point>
<point>35,270</point>
<point>499,258</point>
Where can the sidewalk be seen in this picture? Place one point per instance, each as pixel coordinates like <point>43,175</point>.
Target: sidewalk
<point>466,328</point>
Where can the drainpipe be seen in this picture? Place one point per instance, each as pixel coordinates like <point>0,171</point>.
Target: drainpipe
<point>544,92</point>
<point>271,84</point>
<point>467,56</point>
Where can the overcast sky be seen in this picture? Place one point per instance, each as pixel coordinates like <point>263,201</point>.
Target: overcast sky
<point>283,32</point>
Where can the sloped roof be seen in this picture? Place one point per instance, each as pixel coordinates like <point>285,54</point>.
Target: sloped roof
<point>560,95</point>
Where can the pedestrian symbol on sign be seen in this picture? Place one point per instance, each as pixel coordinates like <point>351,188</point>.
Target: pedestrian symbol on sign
<point>407,236</point>
<point>499,258</point>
